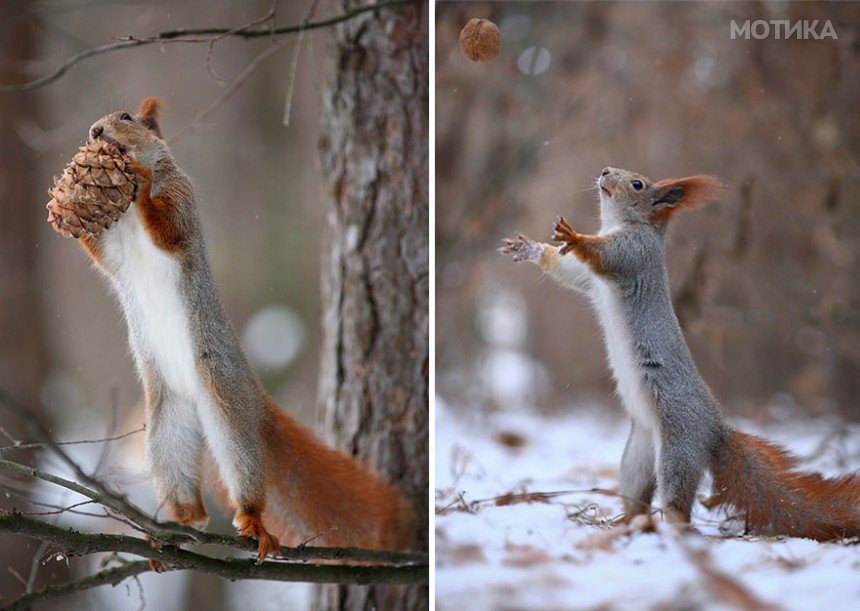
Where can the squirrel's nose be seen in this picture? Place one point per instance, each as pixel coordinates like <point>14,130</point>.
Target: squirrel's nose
<point>96,131</point>
<point>605,172</point>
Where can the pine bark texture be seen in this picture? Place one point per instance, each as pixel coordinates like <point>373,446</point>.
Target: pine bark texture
<point>373,390</point>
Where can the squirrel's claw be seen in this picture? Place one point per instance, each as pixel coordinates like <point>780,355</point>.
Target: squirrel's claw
<point>522,248</point>
<point>512,247</point>
<point>251,526</point>
<point>563,232</point>
<point>157,566</point>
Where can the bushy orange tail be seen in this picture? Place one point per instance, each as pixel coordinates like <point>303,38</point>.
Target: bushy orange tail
<point>318,493</point>
<point>760,481</point>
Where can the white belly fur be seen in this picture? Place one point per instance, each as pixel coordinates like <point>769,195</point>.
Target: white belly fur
<point>147,281</point>
<point>622,357</point>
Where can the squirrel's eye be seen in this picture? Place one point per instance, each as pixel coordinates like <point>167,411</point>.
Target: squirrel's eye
<point>125,117</point>
<point>637,184</point>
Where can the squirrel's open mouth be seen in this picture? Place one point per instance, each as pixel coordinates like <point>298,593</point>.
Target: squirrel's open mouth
<point>601,182</point>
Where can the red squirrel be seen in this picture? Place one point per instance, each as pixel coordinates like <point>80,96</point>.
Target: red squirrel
<point>677,430</point>
<point>200,392</point>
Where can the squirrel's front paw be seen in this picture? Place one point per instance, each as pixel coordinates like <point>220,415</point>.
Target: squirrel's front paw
<point>522,248</point>
<point>251,525</point>
<point>143,177</point>
<point>563,232</point>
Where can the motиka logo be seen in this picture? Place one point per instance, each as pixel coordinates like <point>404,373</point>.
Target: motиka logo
<point>783,29</point>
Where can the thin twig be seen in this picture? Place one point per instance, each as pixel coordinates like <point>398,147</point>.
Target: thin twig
<point>268,17</point>
<point>294,63</point>
<point>140,593</point>
<point>232,89</point>
<point>14,573</point>
<point>512,498</point>
<point>29,446</point>
<point>105,495</point>
<point>317,536</point>
<point>111,576</point>
<point>120,505</point>
<point>34,565</point>
<point>5,433</point>
<point>111,430</point>
<point>60,510</point>
<point>97,490</point>
<point>183,35</point>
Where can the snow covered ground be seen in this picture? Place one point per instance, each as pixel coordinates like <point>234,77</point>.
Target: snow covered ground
<point>556,552</point>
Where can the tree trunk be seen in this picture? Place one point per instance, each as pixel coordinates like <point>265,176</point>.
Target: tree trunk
<point>22,347</point>
<point>373,389</point>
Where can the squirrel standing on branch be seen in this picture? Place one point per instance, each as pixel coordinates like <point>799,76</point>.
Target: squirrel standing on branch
<point>677,431</point>
<point>200,390</point>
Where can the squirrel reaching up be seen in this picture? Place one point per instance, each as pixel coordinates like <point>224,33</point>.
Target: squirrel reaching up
<point>677,432</point>
<point>200,391</point>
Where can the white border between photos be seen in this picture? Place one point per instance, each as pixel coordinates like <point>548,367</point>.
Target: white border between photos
<point>431,385</point>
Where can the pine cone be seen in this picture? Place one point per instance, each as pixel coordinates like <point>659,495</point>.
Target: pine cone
<point>96,187</point>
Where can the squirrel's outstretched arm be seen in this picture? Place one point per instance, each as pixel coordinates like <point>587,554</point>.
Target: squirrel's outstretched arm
<point>569,272</point>
<point>589,249</point>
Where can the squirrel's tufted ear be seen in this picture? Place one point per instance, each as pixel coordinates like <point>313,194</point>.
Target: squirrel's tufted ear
<point>148,114</point>
<point>669,196</point>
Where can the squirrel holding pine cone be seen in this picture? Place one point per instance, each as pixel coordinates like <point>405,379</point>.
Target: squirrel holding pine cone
<point>678,431</point>
<point>96,187</point>
<point>133,209</point>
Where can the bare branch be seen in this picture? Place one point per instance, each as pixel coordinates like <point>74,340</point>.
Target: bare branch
<point>77,543</point>
<point>175,534</point>
<point>111,576</point>
<point>115,501</point>
<point>194,35</point>
<point>125,508</point>
<point>98,491</point>
<point>172,533</point>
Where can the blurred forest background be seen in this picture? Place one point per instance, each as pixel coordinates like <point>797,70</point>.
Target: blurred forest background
<point>766,282</point>
<point>63,345</point>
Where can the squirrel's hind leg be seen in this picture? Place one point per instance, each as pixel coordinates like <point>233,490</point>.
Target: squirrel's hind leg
<point>234,430</point>
<point>174,447</point>
<point>679,473</point>
<point>638,477</point>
